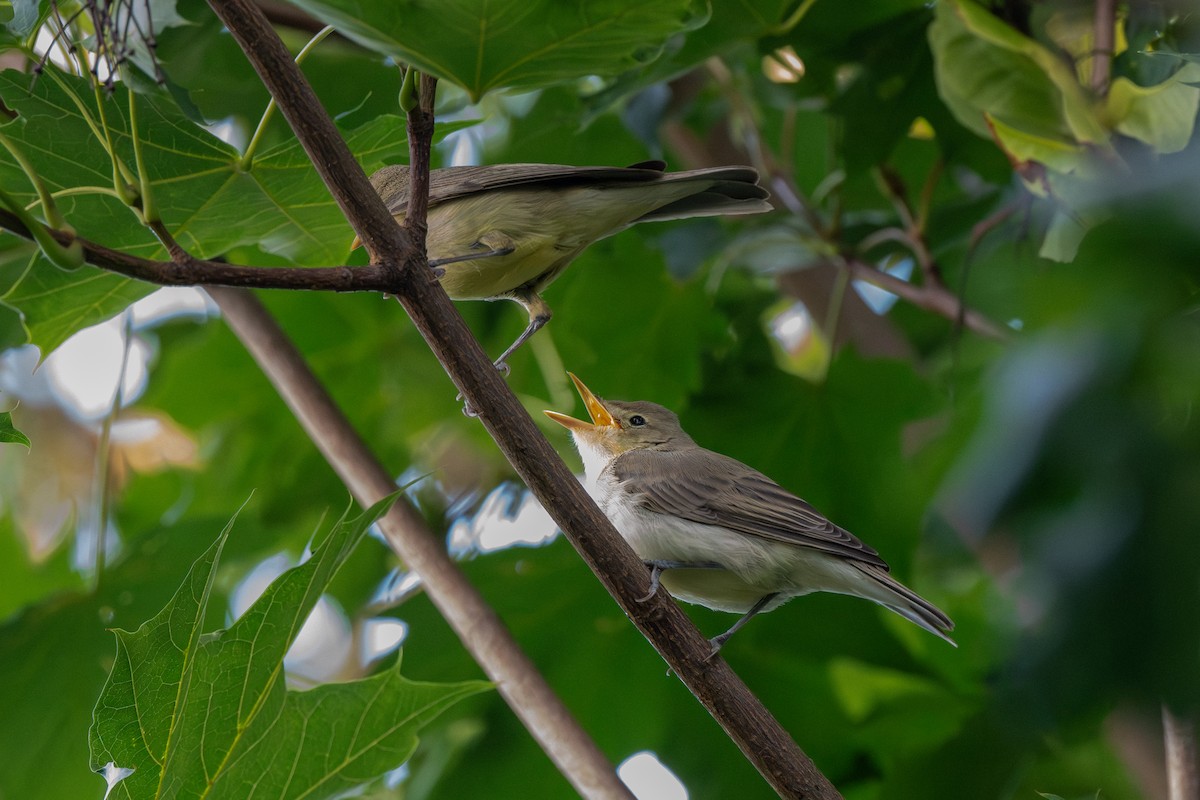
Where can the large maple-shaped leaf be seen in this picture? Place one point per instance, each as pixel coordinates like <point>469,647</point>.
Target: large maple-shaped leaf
<point>487,44</point>
<point>208,199</point>
<point>209,715</point>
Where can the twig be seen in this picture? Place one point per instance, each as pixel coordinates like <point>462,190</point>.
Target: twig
<point>937,300</point>
<point>1103,45</point>
<point>755,731</point>
<point>481,631</point>
<point>179,255</point>
<point>892,187</point>
<point>1183,774</point>
<point>196,272</point>
<point>934,296</point>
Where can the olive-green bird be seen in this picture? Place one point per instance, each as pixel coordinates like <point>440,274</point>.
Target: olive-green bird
<point>717,532</point>
<point>507,231</point>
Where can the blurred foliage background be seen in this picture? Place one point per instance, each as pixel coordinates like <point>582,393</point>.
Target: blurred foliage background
<point>1032,466</point>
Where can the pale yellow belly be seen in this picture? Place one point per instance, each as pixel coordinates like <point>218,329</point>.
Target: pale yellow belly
<point>549,229</point>
<point>717,589</point>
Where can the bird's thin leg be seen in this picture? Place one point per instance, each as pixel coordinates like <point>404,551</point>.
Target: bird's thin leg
<point>718,642</point>
<point>657,567</point>
<point>539,315</point>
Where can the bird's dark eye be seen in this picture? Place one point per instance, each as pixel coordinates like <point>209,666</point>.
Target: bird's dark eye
<point>637,419</point>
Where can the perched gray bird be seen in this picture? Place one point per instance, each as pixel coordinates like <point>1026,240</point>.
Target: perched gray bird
<point>507,231</point>
<point>716,532</point>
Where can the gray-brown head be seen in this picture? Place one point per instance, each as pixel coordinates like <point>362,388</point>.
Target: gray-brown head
<point>620,426</point>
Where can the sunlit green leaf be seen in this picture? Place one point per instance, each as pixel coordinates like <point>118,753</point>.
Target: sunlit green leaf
<point>193,714</point>
<point>986,67</point>
<point>1162,116</point>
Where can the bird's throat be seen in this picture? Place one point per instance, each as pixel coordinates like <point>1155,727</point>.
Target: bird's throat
<point>595,458</point>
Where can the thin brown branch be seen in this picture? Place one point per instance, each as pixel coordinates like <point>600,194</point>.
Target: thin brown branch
<point>927,190</point>
<point>420,133</point>
<point>481,631</point>
<point>1104,31</point>
<point>1183,772</point>
<point>178,254</point>
<point>892,187</point>
<point>934,296</point>
<point>199,272</point>
<point>755,731</point>
<point>936,299</point>
<point>985,226</point>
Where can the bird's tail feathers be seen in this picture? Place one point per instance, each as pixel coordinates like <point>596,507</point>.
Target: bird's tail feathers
<point>720,200</point>
<point>712,191</point>
<point>897,597</point>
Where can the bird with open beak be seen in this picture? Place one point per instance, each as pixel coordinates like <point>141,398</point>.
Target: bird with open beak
<point>716,532</point>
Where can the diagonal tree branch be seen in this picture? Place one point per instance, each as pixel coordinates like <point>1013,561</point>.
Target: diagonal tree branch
<point>714,683</point>
<point>1179,736</point>
<point>481,631</point>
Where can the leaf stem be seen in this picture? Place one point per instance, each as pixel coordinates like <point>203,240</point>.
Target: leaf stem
<point>69,256</point>
<point>103,450</point>
<point>45,197</point>
<point>123,177</point>
<point>793,19</point>
<point>247,160</point>
<point>149,209</point>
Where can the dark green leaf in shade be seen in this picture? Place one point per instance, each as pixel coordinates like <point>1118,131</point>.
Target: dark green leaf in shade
<point>628,326</point>
<point>730,23</point>
<point>521,44</point>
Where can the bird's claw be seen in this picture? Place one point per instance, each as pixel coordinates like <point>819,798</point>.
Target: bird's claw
<point>655,573</point>
<point>467,410</point>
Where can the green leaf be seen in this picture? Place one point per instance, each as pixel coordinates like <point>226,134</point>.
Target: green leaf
<point>730,22</point>
<point>206,199</point>
<point>1021,147</point>
<point>1063,237</point>
<point>523,44</point>
<point>47,698</point>
<point>864,688</point>
<point>209,715</point>
<point>985,67</point>
<point>27,16</point>
<point>1162,116</point>
<point>9,434</point>
<point>665,325</point>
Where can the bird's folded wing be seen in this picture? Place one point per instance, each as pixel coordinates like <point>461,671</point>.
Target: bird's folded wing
<point>453,182</point>
<point>709,488</point>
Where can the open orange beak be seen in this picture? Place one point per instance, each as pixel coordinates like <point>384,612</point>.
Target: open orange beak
<point>596,410</point>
